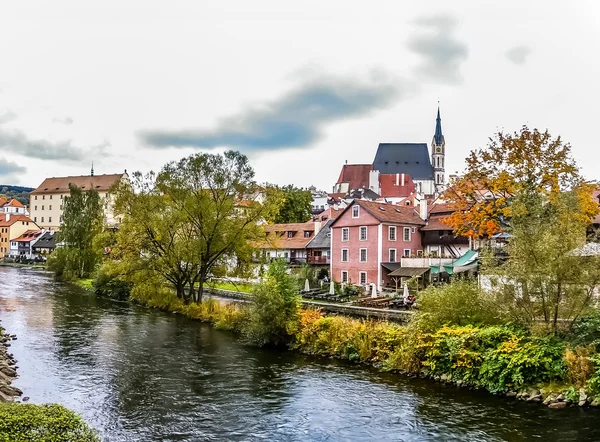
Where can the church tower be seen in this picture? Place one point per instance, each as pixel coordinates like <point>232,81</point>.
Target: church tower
<point>438,154</point>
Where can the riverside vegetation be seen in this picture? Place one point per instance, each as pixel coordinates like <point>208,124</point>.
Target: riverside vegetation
<point>531,333</point>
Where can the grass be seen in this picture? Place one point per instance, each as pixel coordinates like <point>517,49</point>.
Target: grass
<point>86,283</point>
<point>243,287</point>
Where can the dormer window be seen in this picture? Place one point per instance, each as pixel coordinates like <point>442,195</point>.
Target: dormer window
<point>290,234</point>
<point>307,234</point>
<point>355,211</point>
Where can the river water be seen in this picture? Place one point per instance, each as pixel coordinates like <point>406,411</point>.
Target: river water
<point>140,375</point>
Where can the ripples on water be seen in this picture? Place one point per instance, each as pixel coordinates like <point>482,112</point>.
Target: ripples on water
<point>141,375</point>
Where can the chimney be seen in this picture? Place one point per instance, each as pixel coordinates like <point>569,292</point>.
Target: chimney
<point>423,209</point>
<point>402,180</point>
<point>397,179</point>
<point>7,216</point>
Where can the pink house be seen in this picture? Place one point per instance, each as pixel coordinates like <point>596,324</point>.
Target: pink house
<point>368,234</point>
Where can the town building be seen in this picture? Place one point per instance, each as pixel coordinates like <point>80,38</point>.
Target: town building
<point>439,239</point>
<point>12,206</point>
<point>369,234</point>
<point>11,227</point>
<point>399,169</point>
<point>288,241</point>
<point>318,249</point>
<point>21,246</point>
<point>44,244</point>
<point>47,200</point>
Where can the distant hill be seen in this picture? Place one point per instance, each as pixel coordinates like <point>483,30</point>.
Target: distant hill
<point>19,193</point>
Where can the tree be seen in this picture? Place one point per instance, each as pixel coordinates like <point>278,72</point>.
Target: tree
<point>296,206</point>
<point>545,277</point>
<point>275,307</point>
<point>197,214</point>
<point>527,161</point>
<point>80,227</point>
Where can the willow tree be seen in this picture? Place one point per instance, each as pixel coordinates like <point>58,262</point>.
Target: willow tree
<point>197,213</point>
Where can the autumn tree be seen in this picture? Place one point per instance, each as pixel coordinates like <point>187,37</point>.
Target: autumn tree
<point>528,161</point>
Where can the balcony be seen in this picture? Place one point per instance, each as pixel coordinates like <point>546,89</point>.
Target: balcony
<point>318,260</point>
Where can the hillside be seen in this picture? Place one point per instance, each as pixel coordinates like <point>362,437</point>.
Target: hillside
<point>19,193</point>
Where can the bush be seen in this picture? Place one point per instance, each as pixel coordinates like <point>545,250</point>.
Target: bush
<point>274,312</point>
<point>586,330</point>
<point>109,284</point>
<point>58,263</point>
<point>42,423</point>
<point>461,302</point>
<point>579,364</point>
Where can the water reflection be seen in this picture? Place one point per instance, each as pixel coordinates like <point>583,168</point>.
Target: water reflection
<point>141,375</point>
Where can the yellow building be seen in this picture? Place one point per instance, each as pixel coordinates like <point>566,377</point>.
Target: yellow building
<point>46,203</point>
<point>11,227</point>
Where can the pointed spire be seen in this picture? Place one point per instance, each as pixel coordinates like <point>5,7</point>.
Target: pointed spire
<point>438,137</point>
<point>92,171</point>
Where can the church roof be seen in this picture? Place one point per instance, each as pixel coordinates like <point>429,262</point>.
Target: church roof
<point>410,158</point>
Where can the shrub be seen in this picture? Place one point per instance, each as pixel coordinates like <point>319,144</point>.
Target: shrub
<point>42,423</point>
<point>274,312</point>
<point>586,330</point>
<point>579,364</point>
<point>461,302</point>
<point>109,284</point>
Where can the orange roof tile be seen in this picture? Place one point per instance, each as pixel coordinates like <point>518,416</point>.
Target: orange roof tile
<point>13,219</point>
<point>85,182</point>
<point>277,236</point>
<point>14,203</point>
<point>28,236</point>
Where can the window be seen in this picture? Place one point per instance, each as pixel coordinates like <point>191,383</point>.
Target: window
<point>43,197</point>
<point>307,234</point>
<point>35,219</point>
<point>355,211</point>
<point>344,255</point>
<point>50,196</point>
<point>345,234</point>
<point>60,207</point>
<point>106,195</point>
<point>61,197</point>
<point>42,219</point>
<point>344,276</point>
<point>35,207</point>
<point>406,253</point>
<point>413,230</point>
<point>36,197</point>
<point>49,219</point>
<point>60,219</point>
<point>363,278</point>
<point>392,255</point>
<point>50,207</point>
<point>392,233</point>
<point>290,234</point>
<point>42,207</point>
<point>407,234</point>
<point>363,255</point>
<point>363,233</point>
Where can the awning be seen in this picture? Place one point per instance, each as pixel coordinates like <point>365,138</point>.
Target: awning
<point>442,269</point>
<point>463,264</point>
<point>390,266</point>
<point>408,272</point>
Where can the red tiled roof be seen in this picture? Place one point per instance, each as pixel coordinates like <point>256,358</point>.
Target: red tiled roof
<point>14,203</point>
<point>100,183</point>
<point>356,175</point>
<point>13,219</point>
<point>442,208</point>
<point>29,235</point>
<point>3,200</point>
<point>391,213</point>
<point>436,223</point>
<point>277,236</point>
<point>387,183</point>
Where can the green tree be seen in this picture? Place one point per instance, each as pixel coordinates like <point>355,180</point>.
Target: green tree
<point>274,312</point>
<point>296,206</point>
<point>79,231</point>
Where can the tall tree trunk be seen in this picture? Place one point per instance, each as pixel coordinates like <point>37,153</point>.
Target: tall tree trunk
<point>558,297</point>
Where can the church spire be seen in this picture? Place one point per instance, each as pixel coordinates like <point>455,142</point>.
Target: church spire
<point>92,171</point>
<point>438,129</point>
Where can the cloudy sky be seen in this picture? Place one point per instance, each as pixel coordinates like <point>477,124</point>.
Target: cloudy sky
<point>300,87</point>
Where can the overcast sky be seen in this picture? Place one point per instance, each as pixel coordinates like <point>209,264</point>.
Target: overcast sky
<point>300,87</point>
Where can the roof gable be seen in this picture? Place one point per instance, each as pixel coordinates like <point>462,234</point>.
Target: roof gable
<point>100,183</point>
<point>356,175</point>
<point>409,158</point>
<point>385,213</point>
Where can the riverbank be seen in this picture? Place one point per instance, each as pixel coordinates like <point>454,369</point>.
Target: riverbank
<point>502,360</point>
<point>7,369</point>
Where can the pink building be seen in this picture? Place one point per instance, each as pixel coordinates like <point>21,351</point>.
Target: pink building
<point>368,234</point>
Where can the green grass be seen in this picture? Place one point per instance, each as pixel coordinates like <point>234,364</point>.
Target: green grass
<point>86,283</point>
<point>234,287</point>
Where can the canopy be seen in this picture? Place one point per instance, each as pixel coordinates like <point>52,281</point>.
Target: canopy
<point>408,272</point>
<point>463,264</point>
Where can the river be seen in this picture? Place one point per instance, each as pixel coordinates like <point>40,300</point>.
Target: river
<point>140,375</point>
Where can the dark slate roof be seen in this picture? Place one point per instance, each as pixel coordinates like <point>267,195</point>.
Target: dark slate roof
<point>438,137</point>
<point>410,158</point>
<point>322,239</point>
<point>367,194</point>
<point>46,241</point>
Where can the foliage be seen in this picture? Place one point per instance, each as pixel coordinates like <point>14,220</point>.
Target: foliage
<point>544,278</point>
<point>461,302</point>
<point>586,329</point>
<point>527,162</point>
<point>19,193</point>
<point>231,285</point>
<point>196,215</point>
<point>593,384</point>
<point>295,207</point>
<point>307,272</point>
<point>109,283</point>
<point>579,364</point>
<point>42,423</point>
<point>275,306</point>
<point>81,224</point>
